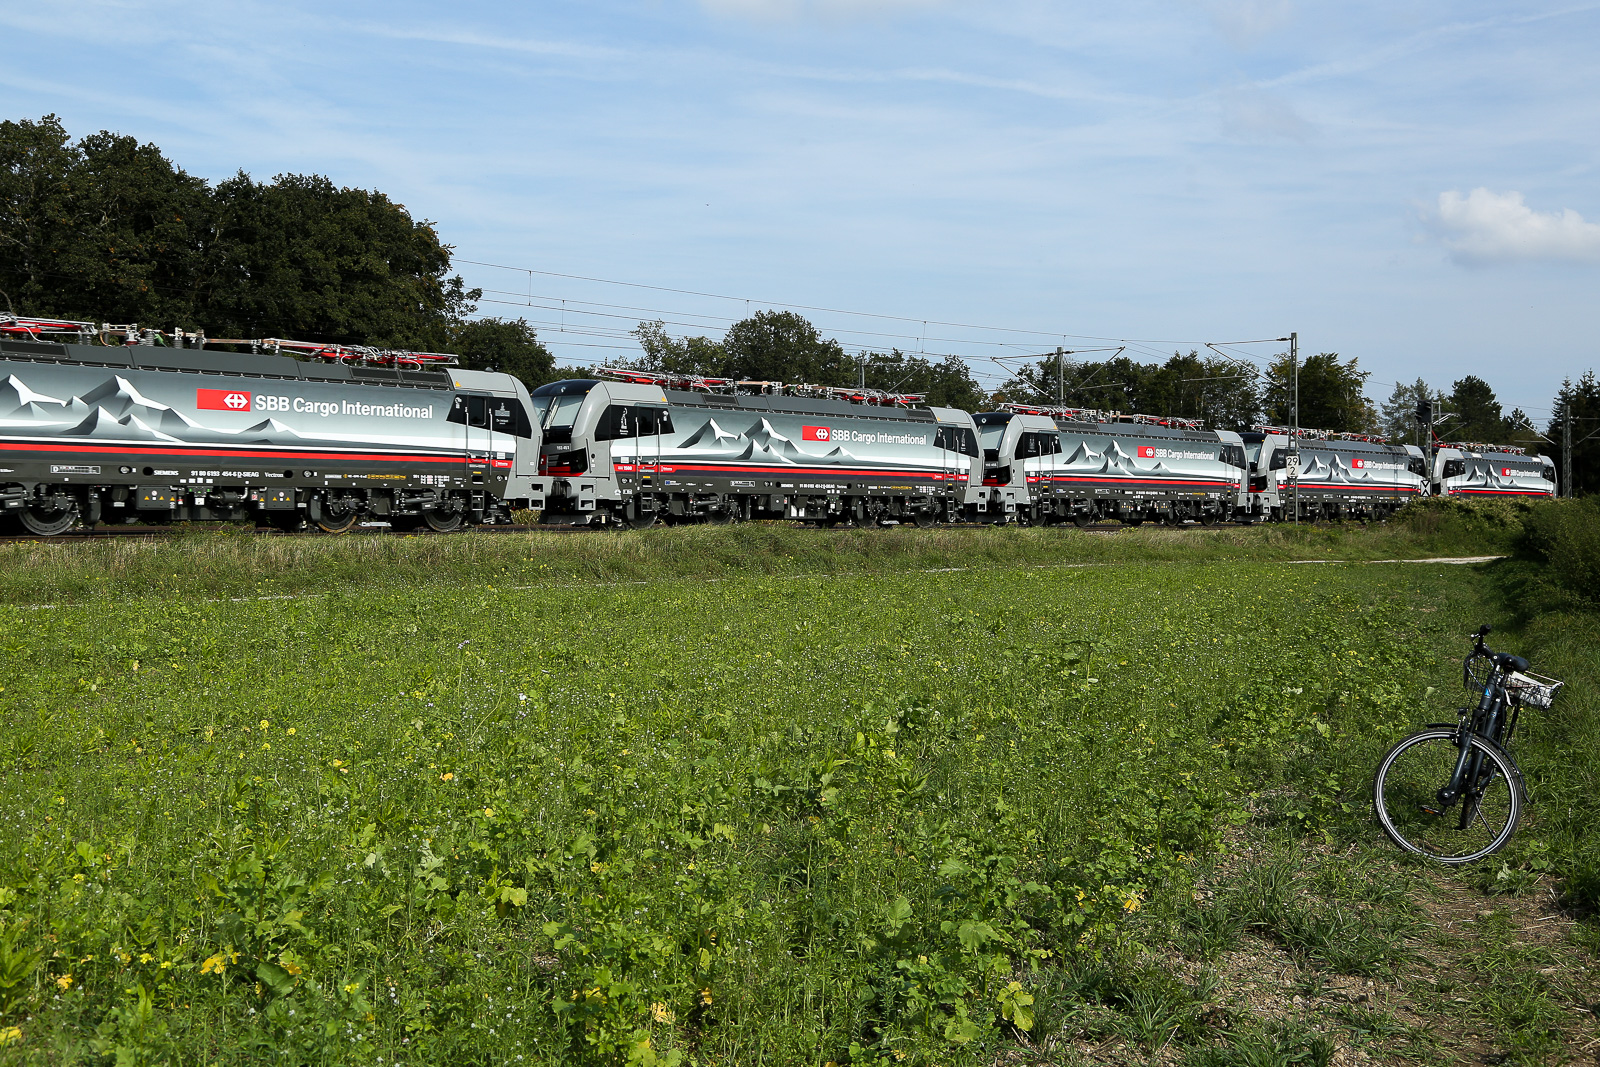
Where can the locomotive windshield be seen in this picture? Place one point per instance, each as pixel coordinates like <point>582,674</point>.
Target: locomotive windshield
<point>989,434</point>
<point>555,406</point>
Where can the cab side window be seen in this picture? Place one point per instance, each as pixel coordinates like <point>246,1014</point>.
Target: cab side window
<point>469,410</point>
<point>620,422</point>
<point>508,416</point>
<point>1455,468</point>
<point>957,439</point>
<point>1037,444</point>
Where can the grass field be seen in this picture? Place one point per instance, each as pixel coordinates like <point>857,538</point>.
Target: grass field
<point>683,798</point>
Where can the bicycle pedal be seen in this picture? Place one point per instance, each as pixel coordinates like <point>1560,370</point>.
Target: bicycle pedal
<point>1435,812</point>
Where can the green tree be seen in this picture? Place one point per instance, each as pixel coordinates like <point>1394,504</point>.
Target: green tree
<point>111,230</point>
<point>1582,400</point>
<point>304,258</point>
<point>1476,413</point>
<point>103,230</point>
<point>510,346</point>
<point>1331,394</point>
<point>679,355</point>
<point>1222,392</point>
<point>783,346</point>
<point>1397,418</point>
<point>947,383</point>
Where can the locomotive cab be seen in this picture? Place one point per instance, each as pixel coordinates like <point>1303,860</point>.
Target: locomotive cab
<point>602,440</point>
<point>957,438</point>
<point>502,440</point>
<point>1012,446</point>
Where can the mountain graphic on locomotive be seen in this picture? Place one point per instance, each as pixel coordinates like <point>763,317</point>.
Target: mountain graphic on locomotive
<point>152,432</point>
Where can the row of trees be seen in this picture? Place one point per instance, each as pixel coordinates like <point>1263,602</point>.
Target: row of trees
<point>105,229</point>
<point>783,346</point>
<point>1226,393</point>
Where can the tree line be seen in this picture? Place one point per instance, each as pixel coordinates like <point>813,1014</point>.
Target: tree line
<point>107,229</point>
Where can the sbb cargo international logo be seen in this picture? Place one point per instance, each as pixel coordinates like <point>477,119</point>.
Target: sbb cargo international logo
<point>223,400</point>
<point>1147,452</point>
<point>816,433</point>
<point>1358,462</point>
<point>1505,472</point>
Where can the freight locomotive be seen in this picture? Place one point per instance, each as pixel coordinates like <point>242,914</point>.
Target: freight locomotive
<point>97,433</point>
<point>1465,468</point>
<point>1339,474</point>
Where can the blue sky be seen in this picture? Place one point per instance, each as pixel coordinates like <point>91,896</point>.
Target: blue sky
<point>1410,182</point>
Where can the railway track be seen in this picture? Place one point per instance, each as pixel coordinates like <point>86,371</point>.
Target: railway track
<point>164,533</point>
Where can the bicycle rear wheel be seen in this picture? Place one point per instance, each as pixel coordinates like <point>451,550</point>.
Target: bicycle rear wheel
<point>1405,796</point>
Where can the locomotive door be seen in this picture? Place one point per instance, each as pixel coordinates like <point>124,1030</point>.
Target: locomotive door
<point>957,464</point>
<point>649,422</point>
<point>477,438</point>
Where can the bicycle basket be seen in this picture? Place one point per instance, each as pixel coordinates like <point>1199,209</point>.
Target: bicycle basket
<point>1531,690</point>
<point>1475,671</point>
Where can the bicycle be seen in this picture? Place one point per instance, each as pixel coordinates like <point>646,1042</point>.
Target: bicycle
<point>1452,792</point>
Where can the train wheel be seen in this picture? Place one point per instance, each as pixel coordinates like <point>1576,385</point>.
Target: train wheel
<point>337,522</point>
<point>1080,519</point>
<point>925,519</point>
<point>441,521</point>
<point>41,521</point>
<point>1132,520</point>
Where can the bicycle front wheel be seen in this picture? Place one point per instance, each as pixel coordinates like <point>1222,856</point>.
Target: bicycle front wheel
<point>1405,796</point>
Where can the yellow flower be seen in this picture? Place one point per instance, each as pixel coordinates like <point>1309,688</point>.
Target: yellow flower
<point>291,731</point>
<point>214,964</point>
<point>145,957</point>
<point>65,981</point>
<point>488,813</point>
<point>1131,904</point>
<point>705,997</point>
<point>265,724</point>
<point>447,777</point>
<point>10,1036</point>
<point>662,1014</point>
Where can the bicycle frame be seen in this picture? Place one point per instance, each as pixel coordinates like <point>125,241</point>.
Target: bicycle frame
<point>1494,720</point>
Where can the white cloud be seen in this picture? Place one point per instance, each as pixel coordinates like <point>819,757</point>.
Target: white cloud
<point>1487,227</point>
<point>833,10</point>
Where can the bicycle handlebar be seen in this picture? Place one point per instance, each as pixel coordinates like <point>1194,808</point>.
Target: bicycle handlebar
<point>1503,660</point>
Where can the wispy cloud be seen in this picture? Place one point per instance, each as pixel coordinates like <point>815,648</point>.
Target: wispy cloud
<point>1485,227</point>
<point>1245,22</point>
<point>507,43</point>
<point>830,10</point>
<point>1253,114</point>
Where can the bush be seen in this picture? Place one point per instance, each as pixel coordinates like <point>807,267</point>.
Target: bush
<point>1565,536</point>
